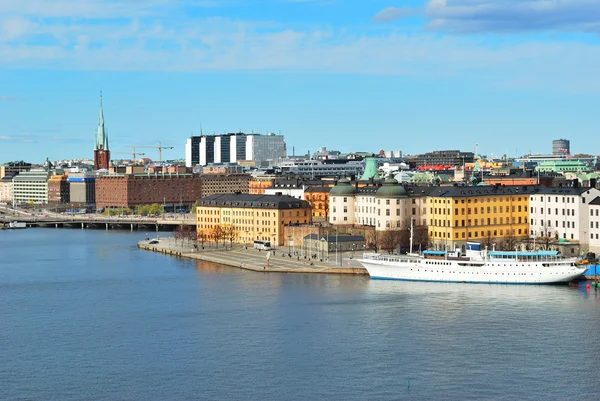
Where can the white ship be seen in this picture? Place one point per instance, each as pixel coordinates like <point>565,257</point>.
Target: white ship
<point>476,266</point>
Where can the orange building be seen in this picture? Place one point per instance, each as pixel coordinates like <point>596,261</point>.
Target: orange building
<point>318,198</point>
<point>58,189</point>
<point>257,187</point>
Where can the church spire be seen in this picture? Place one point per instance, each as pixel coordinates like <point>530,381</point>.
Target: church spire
<point>101,134</point>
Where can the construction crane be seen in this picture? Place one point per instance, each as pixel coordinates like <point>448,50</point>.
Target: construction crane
<point>160,149</point>
<point>128,153</point>
<point>134,152</point>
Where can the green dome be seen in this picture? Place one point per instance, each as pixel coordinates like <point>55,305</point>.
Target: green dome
<point>343,188</point>
<point>391,189</point>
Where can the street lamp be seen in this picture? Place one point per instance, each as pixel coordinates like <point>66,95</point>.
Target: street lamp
<point>289,245</point>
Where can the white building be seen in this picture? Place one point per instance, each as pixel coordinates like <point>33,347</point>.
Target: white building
<point>594,225</point>
<point>317,168</point>
<point>297,193</point>
<point>386,206</point>
<point>31,187</point>
<point>562,213</point>
<point>234,147</point>
<point>6,189</point>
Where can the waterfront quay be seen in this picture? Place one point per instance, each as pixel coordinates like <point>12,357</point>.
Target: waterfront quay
<point>248,258</point>
<point>169,223</point>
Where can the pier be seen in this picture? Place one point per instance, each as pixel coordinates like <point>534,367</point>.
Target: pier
<point>248,258</point>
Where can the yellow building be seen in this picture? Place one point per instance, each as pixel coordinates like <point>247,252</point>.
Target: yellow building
<point>485,214</point>
<point>250,217</point>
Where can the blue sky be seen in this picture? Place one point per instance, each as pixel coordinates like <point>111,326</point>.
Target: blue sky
<point>410,75</point>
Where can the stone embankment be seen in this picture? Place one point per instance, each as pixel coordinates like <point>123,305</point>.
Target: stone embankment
<point>252,259</point>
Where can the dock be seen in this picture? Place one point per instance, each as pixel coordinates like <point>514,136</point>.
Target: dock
<point>248,258</point>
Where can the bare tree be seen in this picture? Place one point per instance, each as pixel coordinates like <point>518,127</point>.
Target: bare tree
<point>389,240</point>
<point>508,243</point>
<point>177,235</point>
<point>189,234</point>
<point>216,234</point>
<point>371,239</point>
<point>545,240</point>
<point>488,241</point>
<point>230,234</point>
<point>202,236</point>
<point>421,237</point>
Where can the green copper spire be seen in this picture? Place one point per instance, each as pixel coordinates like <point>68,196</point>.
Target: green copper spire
<point>101,134</point>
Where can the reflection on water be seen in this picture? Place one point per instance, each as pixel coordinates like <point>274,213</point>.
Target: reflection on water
<point>86,315</point>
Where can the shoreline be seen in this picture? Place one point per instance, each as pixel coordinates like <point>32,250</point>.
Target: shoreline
<point>250,259</point>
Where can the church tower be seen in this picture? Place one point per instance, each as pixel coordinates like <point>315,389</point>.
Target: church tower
<point>101,152</point>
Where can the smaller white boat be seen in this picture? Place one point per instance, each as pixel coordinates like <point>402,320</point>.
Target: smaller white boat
<point>17,224</point>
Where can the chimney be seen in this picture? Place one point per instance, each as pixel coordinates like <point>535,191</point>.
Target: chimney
<point>592,183</point>
<point>575,183</point>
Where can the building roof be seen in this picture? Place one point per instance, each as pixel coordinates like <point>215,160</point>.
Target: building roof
<point>561,190</point>
<point>494,190</point>
<point>595,201</point>
<point>318,189</point>
<point>334,239</point>
<point>343,188</point>
<point>253,201</point>
<point>391,188</point>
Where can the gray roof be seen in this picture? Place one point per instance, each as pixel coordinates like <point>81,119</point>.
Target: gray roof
<point>253,201</point>
<point>596,201</point>
<point>494,190</point>
<point>332,238</point>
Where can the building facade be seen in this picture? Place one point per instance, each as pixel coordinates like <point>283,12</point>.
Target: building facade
<point>562,213</point>
<point>487,214</point>
<point>318,198</point>
<point>387,206</point>
<point>594,224</point>
<point>58,189</point>
<point>233,147</point>
<point>31,187</point>
<point>250,217</point>
<point>131,190</point>
<point>82,189</point>
<point>561,147</point>
<point>6,189</point>
<point>14,168</point>
<point>443,157</point>
<point>225,183</point>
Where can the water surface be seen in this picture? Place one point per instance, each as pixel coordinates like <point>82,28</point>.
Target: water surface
<point>85,315</point>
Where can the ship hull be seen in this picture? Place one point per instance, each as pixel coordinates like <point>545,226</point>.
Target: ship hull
<point>469,272</point>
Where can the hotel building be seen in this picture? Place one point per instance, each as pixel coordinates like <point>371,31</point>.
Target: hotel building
<point>252,217</point>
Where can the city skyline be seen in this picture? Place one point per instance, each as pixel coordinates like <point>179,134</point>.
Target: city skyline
<point>511,77</point>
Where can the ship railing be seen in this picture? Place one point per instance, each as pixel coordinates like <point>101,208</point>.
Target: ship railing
<point>385,258</point>
<point>544,259</point>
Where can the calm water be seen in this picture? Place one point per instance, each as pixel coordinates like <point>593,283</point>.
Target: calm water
<point>87,316</point>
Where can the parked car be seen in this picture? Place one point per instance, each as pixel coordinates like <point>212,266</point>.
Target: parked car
<point>154,241</point>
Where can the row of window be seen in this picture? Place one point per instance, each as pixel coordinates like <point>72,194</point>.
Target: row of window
<point>477,222</point>
<point>570,212</point>
<point>568,224</point>
<point>474,234</point>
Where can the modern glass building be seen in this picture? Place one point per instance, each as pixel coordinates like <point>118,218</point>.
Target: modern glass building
<point>233,147</point>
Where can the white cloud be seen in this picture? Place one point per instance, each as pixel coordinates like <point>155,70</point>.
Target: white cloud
<point>172,42</point>
<point>390,14</point>
<point>505,16</point>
